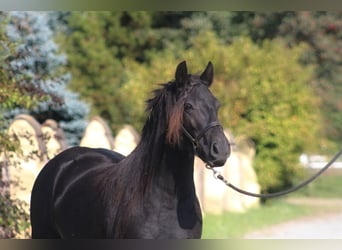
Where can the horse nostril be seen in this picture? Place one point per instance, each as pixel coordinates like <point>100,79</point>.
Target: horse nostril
<point>214,149</point>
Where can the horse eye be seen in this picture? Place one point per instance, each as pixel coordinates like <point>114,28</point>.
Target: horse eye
<point>187,106</point>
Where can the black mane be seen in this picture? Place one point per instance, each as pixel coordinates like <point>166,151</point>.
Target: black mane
<point>163,126</point>
<point>150,150</point>
<point>141,166</point>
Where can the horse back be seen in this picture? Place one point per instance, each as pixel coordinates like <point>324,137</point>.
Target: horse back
<point>54,180</point>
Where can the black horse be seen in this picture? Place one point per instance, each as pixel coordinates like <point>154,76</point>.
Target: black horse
<point>97,193</point>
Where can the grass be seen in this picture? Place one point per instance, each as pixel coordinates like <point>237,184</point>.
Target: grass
<point>329,185</point>
<point>235,225</point>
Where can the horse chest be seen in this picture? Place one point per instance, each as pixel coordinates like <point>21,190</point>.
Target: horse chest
<point>160,219</point>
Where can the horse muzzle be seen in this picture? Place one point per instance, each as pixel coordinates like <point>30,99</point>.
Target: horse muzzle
<point>211,145</point>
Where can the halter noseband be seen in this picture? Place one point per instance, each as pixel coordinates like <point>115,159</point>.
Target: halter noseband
<point>195,140</point>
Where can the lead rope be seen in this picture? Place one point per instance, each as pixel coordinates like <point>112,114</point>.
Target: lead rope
<point>219,176</point>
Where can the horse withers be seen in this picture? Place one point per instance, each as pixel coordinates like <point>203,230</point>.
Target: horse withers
<point>98,193</point>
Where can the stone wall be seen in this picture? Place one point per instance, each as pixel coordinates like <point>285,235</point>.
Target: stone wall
<point>214,195</point>
<point>126,140</point>
<point>39,143</point>
<point>97,135</point>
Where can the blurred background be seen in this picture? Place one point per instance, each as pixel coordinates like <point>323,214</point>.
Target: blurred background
<point>278,76</point>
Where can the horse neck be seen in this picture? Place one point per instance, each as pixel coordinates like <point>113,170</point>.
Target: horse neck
<point>155,159</point>
<point>178,168</point>
<point>163,166</point>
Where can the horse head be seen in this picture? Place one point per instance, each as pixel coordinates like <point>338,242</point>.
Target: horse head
<point>200,124</point>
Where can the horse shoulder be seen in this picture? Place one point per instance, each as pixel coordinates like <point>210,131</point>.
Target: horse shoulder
<point>80,190</point>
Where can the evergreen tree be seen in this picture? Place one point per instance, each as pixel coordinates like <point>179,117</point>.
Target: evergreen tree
<point>96,72</point>
<point>38,59</point>
<point>13,217</point>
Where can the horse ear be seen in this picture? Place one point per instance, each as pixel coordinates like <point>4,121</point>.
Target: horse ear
<point>208,74</point>
<point>181,73</point>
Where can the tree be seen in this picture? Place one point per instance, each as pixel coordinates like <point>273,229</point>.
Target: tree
<point>98,44</point>
<point>272,102</point>
<point>321,31</point>
<point>265,92</point>
<point>38,60</point>
<point>14,219</point>
<point>30,81</point>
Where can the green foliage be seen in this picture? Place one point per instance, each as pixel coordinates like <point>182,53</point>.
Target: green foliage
<point>265,91</point>
<point>101,47</point>
<point>96,46</point>
<point>271,102</point>
<point>12,93</point>
<point>14,219</point>
<point>326,186</point>
<point>26,74</point>
<point>322,32</point>
<point>38,59</point>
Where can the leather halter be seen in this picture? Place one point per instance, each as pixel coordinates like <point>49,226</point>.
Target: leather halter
<point>195,140</point>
